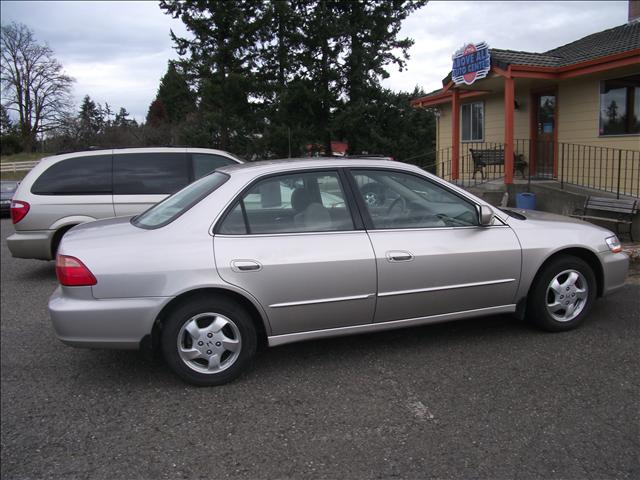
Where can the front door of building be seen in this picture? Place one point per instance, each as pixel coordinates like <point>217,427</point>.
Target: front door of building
<point>544,146</point>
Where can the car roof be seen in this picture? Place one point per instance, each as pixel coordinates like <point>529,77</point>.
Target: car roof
<point>121,151</point>
<point>309,163</point>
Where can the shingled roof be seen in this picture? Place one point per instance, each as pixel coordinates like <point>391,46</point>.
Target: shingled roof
<point>608,42</point>
<point>623,38</point>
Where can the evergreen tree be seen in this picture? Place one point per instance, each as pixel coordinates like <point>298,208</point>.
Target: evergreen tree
<point>91,121</point>
<point>157,115</point>
<point>221,60</point>
<point>175,95</point>
<point>122,119</point>
<point>6,125</point>
<point>371,29</point>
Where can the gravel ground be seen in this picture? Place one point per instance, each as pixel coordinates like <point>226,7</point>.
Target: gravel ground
<point>488,398</point>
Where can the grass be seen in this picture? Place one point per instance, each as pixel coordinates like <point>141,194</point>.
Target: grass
<point>23,157</point>
<point>12,175</point>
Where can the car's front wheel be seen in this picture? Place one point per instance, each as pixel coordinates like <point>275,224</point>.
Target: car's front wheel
<point>562,294</point>
<point>209,341</point>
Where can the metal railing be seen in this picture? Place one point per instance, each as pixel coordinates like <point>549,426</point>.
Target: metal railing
<point>606,169</point>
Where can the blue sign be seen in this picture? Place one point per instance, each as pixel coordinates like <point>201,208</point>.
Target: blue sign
<point>471,63</point>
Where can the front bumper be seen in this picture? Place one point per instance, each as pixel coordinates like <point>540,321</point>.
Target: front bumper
<point>80,320</point>
<point>615,267</point>
<point>31,244</point>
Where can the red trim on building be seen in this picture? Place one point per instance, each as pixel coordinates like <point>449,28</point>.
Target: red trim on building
<point>455,134</point>
<point>509,98</point>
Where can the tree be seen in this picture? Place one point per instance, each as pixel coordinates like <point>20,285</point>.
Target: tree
<point>157,114</point>
<point>370,30</point>
<point>175,95</point>
<point>6,125</point>
<point>34,84</point>
<point>221,58</point>
<point>122,119</point>
<point>91,121</point>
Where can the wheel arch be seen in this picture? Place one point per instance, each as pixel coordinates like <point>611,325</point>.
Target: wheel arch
<point>57,238</point>
<point>257,317</point>
<point>589,257</point>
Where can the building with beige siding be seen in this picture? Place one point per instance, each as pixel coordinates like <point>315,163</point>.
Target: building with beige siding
<point>571,113</point>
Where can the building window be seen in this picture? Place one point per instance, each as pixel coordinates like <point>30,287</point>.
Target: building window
<point>620,106</point>
<point>472,118</point>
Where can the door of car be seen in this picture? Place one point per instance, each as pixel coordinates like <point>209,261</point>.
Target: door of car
<point>292,242</point>
<point>433,257</point>
<point>142,179</point>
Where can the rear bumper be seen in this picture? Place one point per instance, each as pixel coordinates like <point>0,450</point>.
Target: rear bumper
<point>615,267</point>
<point>80,320</point>
<point>31,244</point>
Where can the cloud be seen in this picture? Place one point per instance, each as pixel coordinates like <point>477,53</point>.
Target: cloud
<point>440,28</point>
<point>118,51</point>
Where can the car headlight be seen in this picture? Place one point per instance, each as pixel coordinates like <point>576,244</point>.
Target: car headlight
<point>614,244</point>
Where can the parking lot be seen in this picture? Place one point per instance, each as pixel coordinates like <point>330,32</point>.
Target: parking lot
<point>486,398</point>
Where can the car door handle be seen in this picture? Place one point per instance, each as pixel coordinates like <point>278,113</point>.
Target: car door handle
<point>245,266</point>
<point>399,256</point>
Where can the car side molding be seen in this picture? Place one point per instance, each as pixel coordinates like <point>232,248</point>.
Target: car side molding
<point>276,340</point>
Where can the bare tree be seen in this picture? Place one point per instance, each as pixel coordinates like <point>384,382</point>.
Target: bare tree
<point>34,84</point>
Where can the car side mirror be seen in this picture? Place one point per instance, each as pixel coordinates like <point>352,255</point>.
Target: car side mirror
<point>486,215</point>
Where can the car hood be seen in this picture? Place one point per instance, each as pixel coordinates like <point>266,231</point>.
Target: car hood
<point>535,228</point>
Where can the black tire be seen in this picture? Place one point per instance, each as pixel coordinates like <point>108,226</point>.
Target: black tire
<point>240,325</point>
<point>57,238</point>
<point>543,298</point>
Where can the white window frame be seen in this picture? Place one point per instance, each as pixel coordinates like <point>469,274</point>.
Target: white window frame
<point>471,105</point>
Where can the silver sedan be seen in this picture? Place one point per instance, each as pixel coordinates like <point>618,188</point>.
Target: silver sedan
<point>277,252</point>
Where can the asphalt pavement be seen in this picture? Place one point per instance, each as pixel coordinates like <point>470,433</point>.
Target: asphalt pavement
<point>488,398</point>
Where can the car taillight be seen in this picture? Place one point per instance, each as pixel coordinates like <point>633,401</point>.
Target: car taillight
<point>19,210</point>
<point>71,272</point>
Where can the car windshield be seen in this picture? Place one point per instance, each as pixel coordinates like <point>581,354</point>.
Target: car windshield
<point>172,207</point>
<point>8,187</point>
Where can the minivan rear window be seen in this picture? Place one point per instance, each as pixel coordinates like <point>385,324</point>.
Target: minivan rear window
<point>149,173</point>
<point>172,207</point>
<point>205,163</point>
<point>89,175</point>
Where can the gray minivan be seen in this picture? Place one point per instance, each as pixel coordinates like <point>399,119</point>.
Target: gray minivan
<point>65,190</point>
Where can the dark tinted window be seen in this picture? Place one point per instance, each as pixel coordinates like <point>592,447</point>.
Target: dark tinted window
<point>149,173</point>
<point>205,163</point>
<point>76,176</point>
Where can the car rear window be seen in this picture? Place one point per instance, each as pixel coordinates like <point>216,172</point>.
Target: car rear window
<point>172,207</point>
<point>89,175</point>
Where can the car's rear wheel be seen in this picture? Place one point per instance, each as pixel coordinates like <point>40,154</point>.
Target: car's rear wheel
<point>209,341</point>
<point>562,294</point>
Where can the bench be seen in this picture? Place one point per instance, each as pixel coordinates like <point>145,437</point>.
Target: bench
<point>495,156</point>
<point>620,211</point>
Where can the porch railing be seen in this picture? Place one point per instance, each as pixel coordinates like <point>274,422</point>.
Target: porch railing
<point>606,169</point>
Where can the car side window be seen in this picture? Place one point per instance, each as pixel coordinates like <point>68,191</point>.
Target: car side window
<point>292,203</point>
<point>401,200</point>
<point>205,163</point>
<point>89,175</point>
<point>149,173</point>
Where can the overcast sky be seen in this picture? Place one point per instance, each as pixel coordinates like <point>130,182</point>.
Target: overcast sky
<point>117,51</point>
